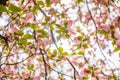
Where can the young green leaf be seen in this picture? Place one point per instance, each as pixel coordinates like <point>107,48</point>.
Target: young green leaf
<point>14,8</point>
<point>3,8</point>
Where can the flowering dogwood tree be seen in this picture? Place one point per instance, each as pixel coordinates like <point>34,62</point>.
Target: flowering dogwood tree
<point>60,40</point>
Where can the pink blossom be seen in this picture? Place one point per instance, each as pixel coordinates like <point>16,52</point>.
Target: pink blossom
<point>14,29</point>
<point>54,1</point>
<point>117,32</point>
<point>84,72</point>
<point>46,41</point>
<point>37,78</point>
<point>118,42</point>
<point>70,22</point>
<point>76,41</point>
<point>1,75</point>
<point>29,15</point>
<point>97,73</point>
<point>26,74</point>
<point>104,27</point>
<point>71,31</point>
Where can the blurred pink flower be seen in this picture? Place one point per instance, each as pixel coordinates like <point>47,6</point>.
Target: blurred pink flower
<point>14,29</point>
<point>0,74</point>
<point>118,42</point>
<point>117,33</point>
<point>53,1</point>
<point>37,78</point>
<point>70,22</point>
<point>71,31</point>
<point>46,41</point>
<point>29,15</point>
<point>97,73</point>
<point>104,27</point>
<point>76,41</point>
<point>26,75</point>
<point>84,72</point>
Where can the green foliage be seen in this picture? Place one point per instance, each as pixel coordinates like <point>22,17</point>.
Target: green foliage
<point>79,1</point>
<point>14,8</point>
<point>116,49</point>
<point>81,53</point>
<point>3,8</point>
<point>28,36</point>
<point>20,33</point>
<point>41,3</point>
<point>90,67</point>
<point>30,67</point>
<point>29,78</point>
<point>48,3</point>
<point>85,78</point>
<point>85,46</point>
<point>95,69</point>
<point>61,49</point>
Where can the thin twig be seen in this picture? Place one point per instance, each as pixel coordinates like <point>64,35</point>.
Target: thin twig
<point>45,65</point>
<point>97,35</point>
<point>73,68</point>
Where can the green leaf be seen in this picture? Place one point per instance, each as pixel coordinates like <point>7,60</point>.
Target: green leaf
<point>14,8</point>
<point>65,53</point>
<point>36,7</point>
<point>78,1</point>
<point>79,38</point>
<point>47,19</point>
<point>58,37</point>
<point>111,27</point>
<point>85,46</point>
<point>80,53</point>
<point>90,67</point>
<point>55,51</point>
<point>43,33</point>
<point>52,25</point>
<point>60,58</point>
<point>33,26</point>
<point>116,49</point>
<point>85,78</point>
<point>41,3</point>
<point>30,67</point>
<point>28,36</point>
<point>20,32</point>
<point>96,69</point>
<point>48,3</point>
<point>23,41</point>
<point>3,8</point>
<point>61,49</point>
<point>86,39</point>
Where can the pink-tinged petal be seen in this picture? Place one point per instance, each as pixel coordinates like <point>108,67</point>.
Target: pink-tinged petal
<point>29,15</point>
<point>24,22</point>
<point>54,1</point>
<point>76,41</point>
<point>14,29</point>
<point>37,78</point>
<point>117,32</point>
<point>1,75</point>
<point>26,75</point>
<point>71,31</point>
<point>84,72</point>
<point>70,22</point>
<point>104,27</point>
<point>46,41</point>
<point>118,43</point>
<point>98,73</point>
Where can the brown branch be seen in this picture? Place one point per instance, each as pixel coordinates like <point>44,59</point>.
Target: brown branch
<point>73,68</point>
<point>97,35</point>
<point>45,66</point>
<point>18,62</point>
